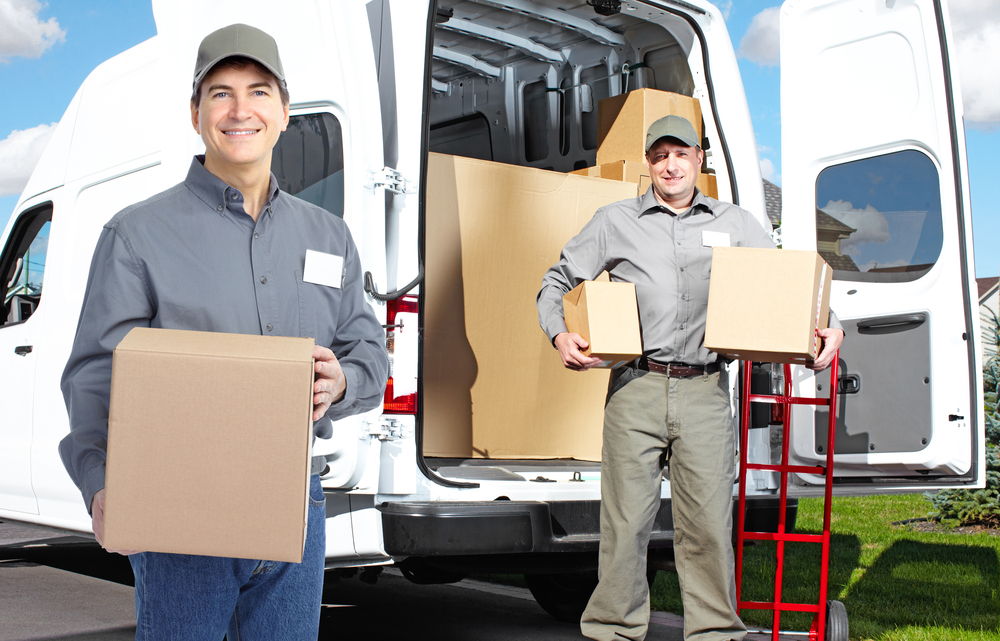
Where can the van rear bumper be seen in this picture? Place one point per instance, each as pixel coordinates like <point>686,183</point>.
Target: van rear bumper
<point>457,528</point>
<point>501,527</point>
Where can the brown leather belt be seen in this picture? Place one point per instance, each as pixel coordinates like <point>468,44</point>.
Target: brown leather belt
<point>677,370</point>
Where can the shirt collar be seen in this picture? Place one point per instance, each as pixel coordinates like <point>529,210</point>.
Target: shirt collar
<point>211,190</point>
<point>649,205</point>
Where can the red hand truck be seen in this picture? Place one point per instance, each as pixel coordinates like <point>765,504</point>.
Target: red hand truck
<point>830,618</point>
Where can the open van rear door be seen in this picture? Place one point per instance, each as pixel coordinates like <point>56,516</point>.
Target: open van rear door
<point>875,179</point>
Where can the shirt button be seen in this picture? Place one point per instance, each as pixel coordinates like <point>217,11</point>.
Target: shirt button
<point>256,234</point>
<point>263,280</point>
<point>269,327</point>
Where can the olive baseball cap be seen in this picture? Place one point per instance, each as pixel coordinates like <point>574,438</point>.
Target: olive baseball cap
<point>237,40</point>
<point>672,127</point>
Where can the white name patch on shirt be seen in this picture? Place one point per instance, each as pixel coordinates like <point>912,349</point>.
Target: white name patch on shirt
<point>323,269</point>
<point>715,239</point>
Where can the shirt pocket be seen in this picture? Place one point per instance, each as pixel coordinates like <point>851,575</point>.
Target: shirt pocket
<point>702,262</point>
<point>319,307</point>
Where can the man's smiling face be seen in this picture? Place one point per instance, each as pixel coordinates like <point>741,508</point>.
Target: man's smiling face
<point>239,115</point>
<point>673,169</point>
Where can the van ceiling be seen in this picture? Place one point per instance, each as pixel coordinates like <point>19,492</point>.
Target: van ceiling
<point>480,37</point>
<point>519,81</point>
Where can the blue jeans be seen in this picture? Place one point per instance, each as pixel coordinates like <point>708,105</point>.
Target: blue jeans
<point>185,597</point>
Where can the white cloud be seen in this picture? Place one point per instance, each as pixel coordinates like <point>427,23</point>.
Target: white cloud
<point>975,25</point>
<point>760,42</point>
<point>725,6</point>
<point>767,169</point>
<point>23,33</point>
<point>19,152</point>
<point>975,28</point>
<point>870,223</point>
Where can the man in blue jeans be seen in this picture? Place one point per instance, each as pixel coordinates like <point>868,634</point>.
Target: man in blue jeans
<point>224,251</point>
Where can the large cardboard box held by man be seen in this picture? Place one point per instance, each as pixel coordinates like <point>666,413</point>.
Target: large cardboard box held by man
<point>606,315</point>
<point>766,304</point>
<point>624,119</point>
<point>209,440</point>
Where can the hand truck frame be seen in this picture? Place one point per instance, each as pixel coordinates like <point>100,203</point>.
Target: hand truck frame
<point>830,617</point>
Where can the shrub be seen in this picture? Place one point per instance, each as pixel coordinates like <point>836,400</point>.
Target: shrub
<point>980,507</point>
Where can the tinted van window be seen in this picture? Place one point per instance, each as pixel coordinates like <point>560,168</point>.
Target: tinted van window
<point>879,219</point>
<point>309,161</point>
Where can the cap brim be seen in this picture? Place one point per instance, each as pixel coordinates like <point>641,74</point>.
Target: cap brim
<point>234,54</point>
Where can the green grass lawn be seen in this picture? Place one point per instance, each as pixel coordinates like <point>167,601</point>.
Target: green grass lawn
<point>898,584</point>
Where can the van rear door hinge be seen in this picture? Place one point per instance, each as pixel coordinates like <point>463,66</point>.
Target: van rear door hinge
<point>390,180</point>
<point>389,429</point>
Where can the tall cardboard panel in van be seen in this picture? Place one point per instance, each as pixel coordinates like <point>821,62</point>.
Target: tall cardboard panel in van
<point>493,385</point>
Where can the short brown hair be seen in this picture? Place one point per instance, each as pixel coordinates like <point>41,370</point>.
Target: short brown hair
<point>240,62</point>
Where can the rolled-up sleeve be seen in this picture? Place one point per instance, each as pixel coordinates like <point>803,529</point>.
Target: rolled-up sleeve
<point>583,258</point>
<point>117,299</point>
<point>359,345</point>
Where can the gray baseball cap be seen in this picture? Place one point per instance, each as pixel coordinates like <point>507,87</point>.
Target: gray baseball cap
<point>237,40</point>
<point>672,127</point>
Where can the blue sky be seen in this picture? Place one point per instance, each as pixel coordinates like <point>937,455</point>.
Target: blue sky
<point>47,49</point>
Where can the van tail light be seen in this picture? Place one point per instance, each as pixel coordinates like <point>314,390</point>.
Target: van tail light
<point>400,313</point>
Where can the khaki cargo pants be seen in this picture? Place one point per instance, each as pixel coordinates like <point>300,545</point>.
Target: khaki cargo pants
<point>651,419</point>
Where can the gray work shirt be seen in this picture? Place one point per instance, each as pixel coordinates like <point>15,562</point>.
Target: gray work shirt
<point>665,255</point>
<point>192,258</point>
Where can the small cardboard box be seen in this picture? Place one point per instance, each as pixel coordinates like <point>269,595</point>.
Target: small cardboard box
<point>623,121</point>
<point>638,173</point>
<point>209,440</point>
<point>766,304</point>
<point>606,315</point>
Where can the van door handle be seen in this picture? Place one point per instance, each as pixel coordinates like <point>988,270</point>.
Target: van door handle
<point>22,350</point>
<point>889,324</point>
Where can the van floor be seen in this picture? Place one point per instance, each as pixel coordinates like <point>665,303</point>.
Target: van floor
<point>506,470</point>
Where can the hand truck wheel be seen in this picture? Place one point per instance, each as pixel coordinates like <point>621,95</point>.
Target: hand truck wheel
<point>836,621</point>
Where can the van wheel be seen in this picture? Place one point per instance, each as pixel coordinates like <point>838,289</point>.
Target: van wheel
<point>565,595</point>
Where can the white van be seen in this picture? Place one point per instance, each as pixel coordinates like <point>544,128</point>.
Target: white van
<point>875,177</point>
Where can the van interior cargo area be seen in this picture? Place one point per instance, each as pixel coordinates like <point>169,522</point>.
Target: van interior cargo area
<point>515,102</point>
<point>519,82</point>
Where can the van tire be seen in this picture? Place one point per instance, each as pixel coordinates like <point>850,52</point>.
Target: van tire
<point>565,595</point>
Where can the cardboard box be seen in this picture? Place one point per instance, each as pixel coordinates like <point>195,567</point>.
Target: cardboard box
<point>209,440</point>
<point>493,386</point>
<point>606,315</point>
<point>623,121</point>
<point>766,304</point>
<point>638,173</point>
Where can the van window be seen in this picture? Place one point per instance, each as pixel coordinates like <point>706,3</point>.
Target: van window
<point>308,161</point>
<point>879,219</point>
<point>22,265</point>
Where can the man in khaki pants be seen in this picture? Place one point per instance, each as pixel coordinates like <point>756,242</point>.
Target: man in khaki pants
<point>671,406</point>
